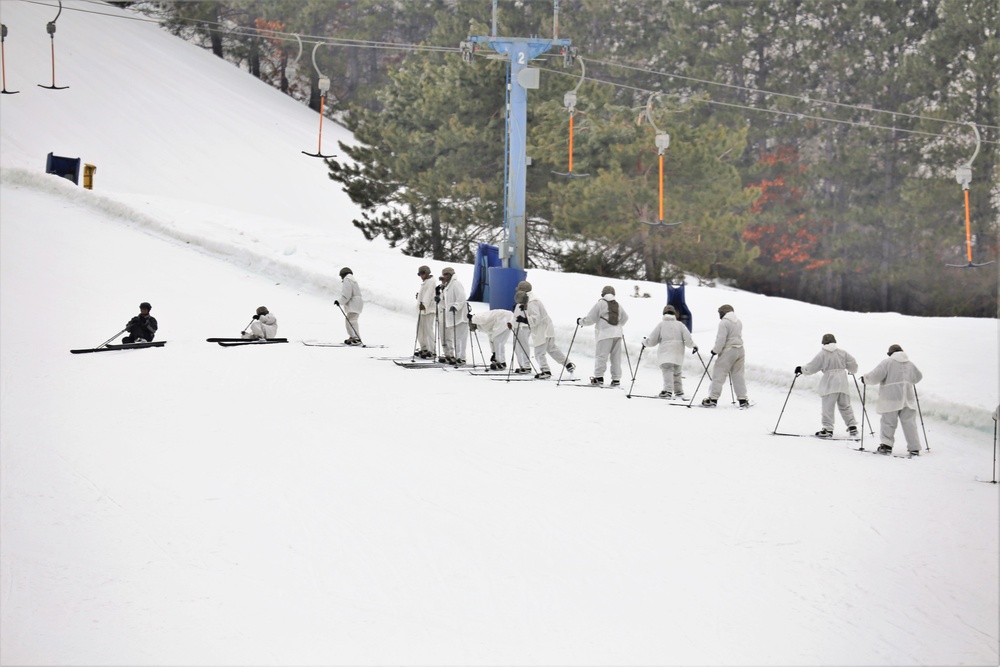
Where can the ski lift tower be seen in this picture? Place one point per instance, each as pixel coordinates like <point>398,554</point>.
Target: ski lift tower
<point>518,52</point>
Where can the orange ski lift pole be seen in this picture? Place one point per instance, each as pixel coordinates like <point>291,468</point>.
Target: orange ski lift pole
<point>3,62</point>
<point>662,144</point>
<point>324,87</point>
<point>569,101</point>
<point>964,177</point>
<point>50,27</point>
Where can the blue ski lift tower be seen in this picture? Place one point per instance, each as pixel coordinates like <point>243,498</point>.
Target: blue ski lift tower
<point>518,52</point>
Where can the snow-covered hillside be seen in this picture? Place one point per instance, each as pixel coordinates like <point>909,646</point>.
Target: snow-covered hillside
<point>301,505</point>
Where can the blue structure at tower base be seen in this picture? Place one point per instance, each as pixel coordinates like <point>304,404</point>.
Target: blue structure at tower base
<point>503,284</point>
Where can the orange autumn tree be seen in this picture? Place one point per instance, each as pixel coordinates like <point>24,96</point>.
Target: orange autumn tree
<point>781,226</point>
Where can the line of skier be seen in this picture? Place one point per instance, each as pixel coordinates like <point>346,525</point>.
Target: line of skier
<point>444,317</point>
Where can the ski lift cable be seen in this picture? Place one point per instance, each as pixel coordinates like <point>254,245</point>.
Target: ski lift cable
<point>417,47</point>
<point>798,115</point>
<point>801,98</point>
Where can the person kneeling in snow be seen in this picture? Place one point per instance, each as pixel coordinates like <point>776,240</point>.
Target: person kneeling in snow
<point>897,399</point>
<point>672,337</point>
<point>608,317</point>
<point>142,327</point>
<point>263,326</point>
<point>497,324</point>
<point>835,364</point>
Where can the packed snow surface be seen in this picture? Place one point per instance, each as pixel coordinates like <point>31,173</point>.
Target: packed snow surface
<point>288,504</point>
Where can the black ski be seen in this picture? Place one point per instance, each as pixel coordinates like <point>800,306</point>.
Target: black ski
<point>251,343</point>
<point>895,456</point>
<point>526,376</point>
<point>245,340</point>
<point>123,346</point>
<point>671,401</point>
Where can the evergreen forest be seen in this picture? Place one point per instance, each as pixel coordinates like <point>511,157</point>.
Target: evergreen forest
<point>813,145</point>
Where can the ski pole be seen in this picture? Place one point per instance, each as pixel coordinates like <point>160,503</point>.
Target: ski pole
<point>637,360</point>
<point>732,393</point>
<point>864,412</point>
<point>570,349</point>
<point>864,395</point>
<point>796,377</point>
<point>246,327</point>
<point>927,445</point>
<point>480,346</point>
<point>349,323</point>
<point>994,449</point>
<point>630,371</point>
<point>703,365</point>
<point>113,337</point>
<point>454,332</point>
<point>416,337</point>
<point>691,402</point>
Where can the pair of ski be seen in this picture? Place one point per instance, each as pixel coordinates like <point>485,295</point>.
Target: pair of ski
<point>239,342</point>
<point>122,346</point>
<point>810,435</point>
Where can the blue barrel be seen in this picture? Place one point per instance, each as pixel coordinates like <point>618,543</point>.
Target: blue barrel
<point>503,284</point>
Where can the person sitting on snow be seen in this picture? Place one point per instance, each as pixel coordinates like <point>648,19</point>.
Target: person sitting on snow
<point>897,399</point>
<point>835,364</point>
<point>672,337</point>
<point>607,316</point>
<point>142,327</point>
<point>263,326</point>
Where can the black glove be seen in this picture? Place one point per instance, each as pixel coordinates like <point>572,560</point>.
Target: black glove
<point>256,317</point>
<point>422,307</point>
<point>336,303</point>
<point>522,319</point>
<point>862,378</point>
<point>579,321</point>
<point>694,350</point>
<point>798,370</point>
<point>437,289</point>
<point>473,326</point>
<point>453,309</point>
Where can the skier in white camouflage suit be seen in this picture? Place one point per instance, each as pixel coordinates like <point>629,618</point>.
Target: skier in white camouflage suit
<point>897,399</point>
<point>453,313</point>
<point>607,317</point>
<point>729,349</point>
<point>351,302</point>
<point>834,388</point>
<point>543,334</point>
<point>672,337</point>
<point>425,313</point>
<point>498,325</point>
